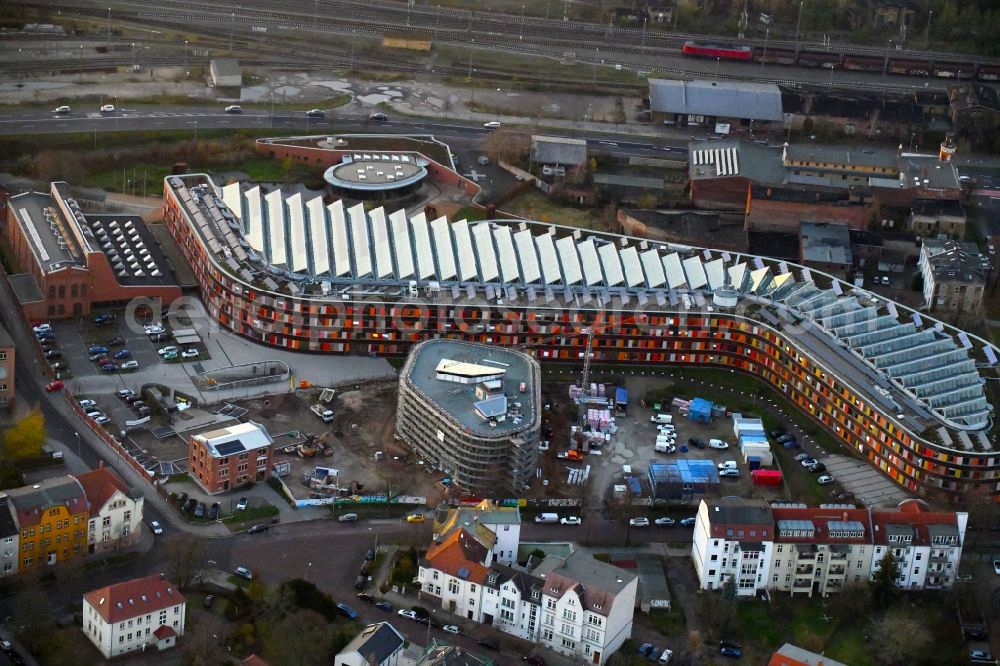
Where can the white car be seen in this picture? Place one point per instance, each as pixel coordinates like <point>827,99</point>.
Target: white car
<point>315,113</point>
<point>664,522</point>
<point>189,353</point>
<point>130,365</point>
<point>234,108</point>
<point>42,328</point>
<point>665,427</point>
<point>543,445</point>
<point>154,526</point>
<point>450,628</point>
<point>729,472</point>
<point>824,479</point>
<point>168,350</point>
<point>996,567</point>
<point>101,420</point>
<point>729,464</point>
<point>154,330</point>
<point>407,613</point>
<point>570,520</point>
<point>108,108</point>
<point>61,109</point>
<point>493,124</point>
<point>717,444</point>
<point>87,403</point>
<point>641,521</point>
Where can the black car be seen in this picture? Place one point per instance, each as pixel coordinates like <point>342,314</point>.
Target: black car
<point>367,598</point>
<point>360,582</point>
<point>489,644</point>
<point>199,510</point>
<point>384,606</point>
<point>209,600</point>
<point>785,438</point>
<point>257,529</point>
<point>116,342</point>
<point>213,511</point>
<point>53,353</point>
<point>370,555</point>
<point>181,499</point>
<point>818,467</point>
<point>730,644</point>
<point>777,433</point>
<point>696,443</point>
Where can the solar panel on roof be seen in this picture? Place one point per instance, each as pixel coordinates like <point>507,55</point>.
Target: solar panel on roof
<point>400,227</point>
<point>569,259</point>
<point>508,258</point>
<point>612,263</point>
<point>726,257</point>
<point>707,254</point>
<point>548,261</point>
<point>632,266</point>
<point>489,292</point>
<point>990,355</point>
<point>806,275</point>
<point>463,572</point>
<point>380,240</point>
<point>673,270</point>
<point>837,288</point>
<point>695,272</point>
<point>758,262</point>
<point>783,267</point>
<point>455,289</point>
<point>891,307</point>
<point>230,448</point>
<point>359,240</point>
<point>531,294</point>
<point>443,248</point>
<point>661,299</point>
<point>470,291</point>
<point>463,251</point>
<point>528,255</point>
<point>297,233</point>
<point>654,268</point>
<point>422,245</point>
<point>964,339</point>
<point>916,319</point>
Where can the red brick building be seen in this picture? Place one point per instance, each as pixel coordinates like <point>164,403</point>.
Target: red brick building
<point>71,263</point>
<point>227,458</point>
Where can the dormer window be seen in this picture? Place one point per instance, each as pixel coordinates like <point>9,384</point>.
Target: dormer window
<point>535,594</point>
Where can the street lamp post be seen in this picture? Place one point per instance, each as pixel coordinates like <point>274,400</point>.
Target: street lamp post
<point>498,105</point>
<point>109,28</point>
<point>305,575</point>
<point>77,444</point>
<point>798,26</point>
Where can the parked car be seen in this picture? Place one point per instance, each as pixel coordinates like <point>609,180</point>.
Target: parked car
<point>42,328</point>
<point>108,108</point>
<point>154,526</point>
<point>981,655</point>
<point>257,529</point>
<point>122,353</point>
<point>124,393</point>
<point>824,479</point>
<point>816,467</point>
<point>641,521</point>
<point>243,572</point>
<point>365,597</point>
<point>732,653</point>
<point>570,520</point>
<point>730,644</point>
<point>181,498</point>
<point>44,335</point>
<point>664,522</point>
<point>407,613</point>
<point>451,629</point>
<point>729,464</point>
<point>807,461</point>
<point>109,367</point>
<point>170,356</point>
<point>488,643</point>
<point>191,505</point>
<point>696,443</point>
<point>189,353</point>
<point>348,518</point>
<point>213,511</point>
<point>688,522</point>
<point>116,342</point>
<point>87,403</point>
<point>645,648</point>
<point>199,511</point>
<point>97,349</point>
<point>533,660</point>
<point>654,654</point>
<point>360,582</point>
<point>784,438</point>
<point>802,456</point>
<point>103,319</point>
<point>102,420</point>
<point>154,330</point>
<point>167,350</point>
<point>383,606</point>
<point>730,473</point>
<point>130,365</point>
<point>717,444</point>
<point>53,353</point>
<point>241,505</point>
<point>665,656</point>
<point>996,567</point>
<point>790,444</point>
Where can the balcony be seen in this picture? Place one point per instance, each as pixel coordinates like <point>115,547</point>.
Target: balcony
<point>804,569</point>
<point>802,583</point>
<point>807,556</point>
<point>837,571</point>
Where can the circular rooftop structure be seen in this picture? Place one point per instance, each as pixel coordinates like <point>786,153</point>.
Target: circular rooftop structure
<point>376,176</point>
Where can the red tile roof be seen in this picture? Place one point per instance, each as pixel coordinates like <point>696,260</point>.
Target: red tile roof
<point>164,632</point>
<point>122,601</point>
<point>821,519</point>
<point>99,486</point>
<point>915,514</point>
<point>459,550</point>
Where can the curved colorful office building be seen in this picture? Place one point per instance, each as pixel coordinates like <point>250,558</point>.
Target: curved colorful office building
<point>905,391</point>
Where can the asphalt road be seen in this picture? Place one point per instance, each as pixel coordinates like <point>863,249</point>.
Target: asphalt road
<point>197,119</point>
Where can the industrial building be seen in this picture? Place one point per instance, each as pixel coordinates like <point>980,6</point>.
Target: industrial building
<point>72,263</point>
<point>887,381</point>
<point>472,411</point>
<point>826,246</point>
<point>225,73</point>
<point>683,479</point>
<point>713,102</point>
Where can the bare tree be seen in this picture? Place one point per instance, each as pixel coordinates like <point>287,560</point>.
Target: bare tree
<point>901,638</point>
<point>300,639</point>
<point>184,557</point>
<point>508,146</point>
<point>204,644</point>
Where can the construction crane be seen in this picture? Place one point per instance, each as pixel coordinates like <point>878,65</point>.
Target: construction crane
<point>587,353</point>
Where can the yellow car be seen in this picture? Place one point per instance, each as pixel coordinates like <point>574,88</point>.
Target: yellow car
<point>415,518</point>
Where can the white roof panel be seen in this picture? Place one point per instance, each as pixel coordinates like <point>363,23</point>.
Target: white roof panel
<point>422,243</point>
<point>716,272</point>
<point>359,240</point>
<point>673,269</point>
<point>297,233</point>
<point>738,275</point>
<point>695,273</point>
<point>488,270</point>
<point>317,231</point>
<point>759,277</point>
<point>464,252</point>
<point>612,264</point>
<point>570,260</point>
<point>508,258</point>
<point>381,243</point>
<point>528,256</point>
<point>232,196</point>
<point>341,246</point>
<point>633,269</point>
<point>401,244</point>
<point>548,259</point>
<point>443,248</point>
<point>276,226</point>
<point>654,268</point>
<point>591,265</point>
<point>254,224</point>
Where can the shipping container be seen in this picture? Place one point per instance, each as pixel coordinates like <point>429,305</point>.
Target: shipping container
<point>766,477</point>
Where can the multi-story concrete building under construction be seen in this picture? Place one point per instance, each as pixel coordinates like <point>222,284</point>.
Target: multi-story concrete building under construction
<point>911,394</point>
<point>472,412</point>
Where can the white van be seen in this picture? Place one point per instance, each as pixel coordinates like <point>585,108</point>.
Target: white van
<point>661,418</point>
<point>664,447</point>
<point>547,518</point>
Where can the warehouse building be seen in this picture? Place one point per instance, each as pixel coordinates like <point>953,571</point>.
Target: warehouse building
<point>683,479</point>
<point>709,103</point>
<point>225,73</point>
<point>472,411</point>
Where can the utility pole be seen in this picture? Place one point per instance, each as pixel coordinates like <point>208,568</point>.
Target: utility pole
<point>927,30</point>
<point>109,28</point>
<point>798,30</point>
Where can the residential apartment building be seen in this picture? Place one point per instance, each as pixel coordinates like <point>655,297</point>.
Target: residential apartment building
<point>503,521</point>
<point>377,645</point>
<point>230,457</point>
<point>115,510</point>
<point>7,357</point>
<point>823,550</point>
<point>954,276</point>
<point>134,616</point>
<point>51,517</point>
<point>576,606</point>
<point>9,538</point>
